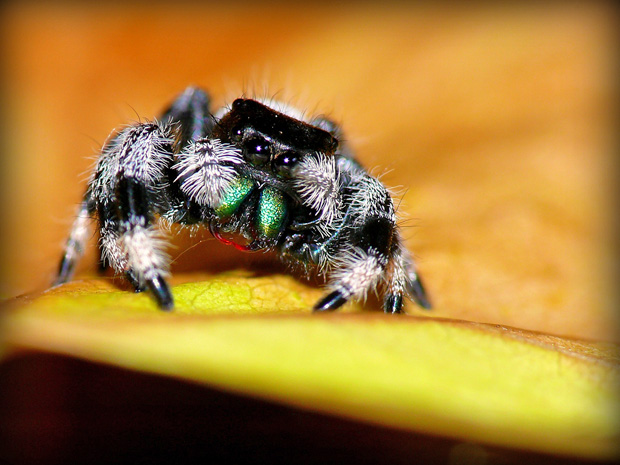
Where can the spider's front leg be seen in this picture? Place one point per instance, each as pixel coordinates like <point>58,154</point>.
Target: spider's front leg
<point>126,191</point>
<point>129,188</point>
<point>133,182</point>
<point>142,186</point>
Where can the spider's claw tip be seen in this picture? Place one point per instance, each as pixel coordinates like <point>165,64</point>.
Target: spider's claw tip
<point>418,293</point>
<point>65,271</point>
<point>331,301</point>
<point>161,291</point>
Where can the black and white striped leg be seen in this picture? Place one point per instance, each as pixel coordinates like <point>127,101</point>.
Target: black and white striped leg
<point>110,251</point>
<point>146,261</point>
<point>128,185</point>
<point>404,280</point>
<point>372,253</point>
<point>75,245</point>
<point>358,272</point>
<point>393,303</point>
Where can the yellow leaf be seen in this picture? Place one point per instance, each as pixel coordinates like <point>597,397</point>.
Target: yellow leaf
<point>257,336</point>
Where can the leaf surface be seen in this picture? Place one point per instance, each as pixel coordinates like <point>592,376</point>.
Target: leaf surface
<point>257,336</point>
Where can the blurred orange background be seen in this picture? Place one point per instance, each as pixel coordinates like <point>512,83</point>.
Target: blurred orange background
<point>498,123</point>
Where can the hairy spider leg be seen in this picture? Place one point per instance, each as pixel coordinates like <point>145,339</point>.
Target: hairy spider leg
<point>357,240</point>
<point>403,280</point>
<point>129,177</point>
<point>146,263</point>
<point>374,249</point>
<point>190,116</point>
<point>76,243</point>
<point>110,247</point>
<point>359,267</point>
<point>133,167</point>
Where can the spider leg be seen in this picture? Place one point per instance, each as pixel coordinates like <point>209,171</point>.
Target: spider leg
<point>110,248</point>
<point>74,247</point>
<point>404,280</point>
<point>353,229</point>
<point>129,188</point>
<point>360,267</point>
<point>146,262</point>
<point>418,292</point>
<point>369,250</point>
<point>317,185</point>
<point>190,111</point>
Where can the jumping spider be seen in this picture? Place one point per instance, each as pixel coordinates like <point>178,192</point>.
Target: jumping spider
<point>262,176</point>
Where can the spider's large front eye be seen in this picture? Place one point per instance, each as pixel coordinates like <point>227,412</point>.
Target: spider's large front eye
<point>258,150</point>
<point>284,163</point>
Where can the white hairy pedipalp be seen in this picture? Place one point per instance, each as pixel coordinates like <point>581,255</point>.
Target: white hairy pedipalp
<point>205,169</point>
<point>318,184</point>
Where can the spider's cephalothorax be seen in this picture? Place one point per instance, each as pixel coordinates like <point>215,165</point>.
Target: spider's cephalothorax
<point>261,176</point>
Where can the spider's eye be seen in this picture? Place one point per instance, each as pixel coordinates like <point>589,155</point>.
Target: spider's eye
<point>284,163</point>
<point>236,133</point>
<point>258,150</point>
